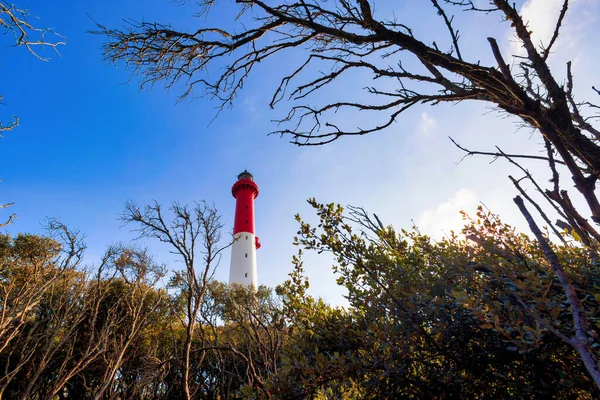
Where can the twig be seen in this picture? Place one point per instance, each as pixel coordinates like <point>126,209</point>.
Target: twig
<point>561,16</point>
<point>499,154</point>
<point>538,208</point>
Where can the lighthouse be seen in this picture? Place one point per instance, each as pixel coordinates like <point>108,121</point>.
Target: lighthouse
<point>243,251</point>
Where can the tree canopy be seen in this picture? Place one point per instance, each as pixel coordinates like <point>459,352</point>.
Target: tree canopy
<point>458,318</point>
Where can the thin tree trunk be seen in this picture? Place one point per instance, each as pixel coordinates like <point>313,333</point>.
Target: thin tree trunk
<point>582,339</point>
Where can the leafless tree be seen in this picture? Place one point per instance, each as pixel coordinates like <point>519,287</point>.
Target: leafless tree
<point>55,329</point>
<point>194,234</point>
<point>256,316</point>
<point>92,320</point>
<point>30,267</point>
<point>91,339</point>
<point>348,35</point>
<point>44,304</point>
<point>137,272</point>
<point>244,335</point>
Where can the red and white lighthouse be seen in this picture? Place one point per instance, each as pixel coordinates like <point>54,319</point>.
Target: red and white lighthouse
<point>243,251</point>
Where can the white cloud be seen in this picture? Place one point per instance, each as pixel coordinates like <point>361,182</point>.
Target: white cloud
<point>251,105</point>
<point>541,16</point>
<point>446,216</point>
<point>426,125</point>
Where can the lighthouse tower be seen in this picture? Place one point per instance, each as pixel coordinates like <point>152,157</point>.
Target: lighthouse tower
<point>243,251</point>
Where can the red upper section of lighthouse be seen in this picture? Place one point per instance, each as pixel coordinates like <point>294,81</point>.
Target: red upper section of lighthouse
<point>245,190</point>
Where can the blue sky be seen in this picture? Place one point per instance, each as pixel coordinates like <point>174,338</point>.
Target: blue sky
<point>89,139</point>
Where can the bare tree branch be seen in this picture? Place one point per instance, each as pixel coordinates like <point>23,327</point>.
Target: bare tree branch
<point>189,231</point>
<point>498,154</point>
<point>561,17</point>
<point>16,21</point>
<point>582,341</point>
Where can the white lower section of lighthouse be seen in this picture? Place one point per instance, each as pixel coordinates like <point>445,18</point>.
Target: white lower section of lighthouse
<point>243,260</point>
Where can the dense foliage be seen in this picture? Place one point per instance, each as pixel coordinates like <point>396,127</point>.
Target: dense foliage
<point>471,316</point>
<point>457,318</point>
